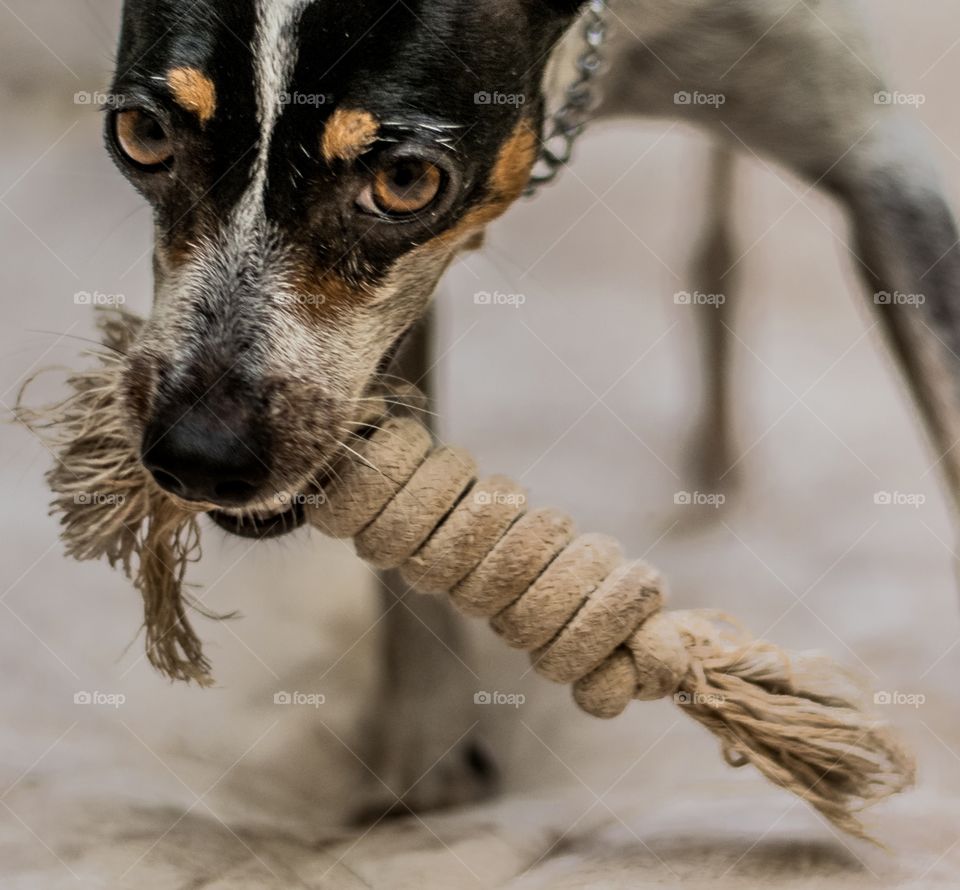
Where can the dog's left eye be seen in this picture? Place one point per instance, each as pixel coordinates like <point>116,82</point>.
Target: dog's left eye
<point>143,139</point>
<point>403,187</point>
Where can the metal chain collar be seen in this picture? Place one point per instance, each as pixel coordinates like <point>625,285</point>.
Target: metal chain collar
<point>564,127</point>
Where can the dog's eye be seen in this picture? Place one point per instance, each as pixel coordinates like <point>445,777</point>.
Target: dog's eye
<point>143,139</point>
<point>403,187</point>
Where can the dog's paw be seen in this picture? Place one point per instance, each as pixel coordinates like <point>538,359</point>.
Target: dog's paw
<point>425,763</point>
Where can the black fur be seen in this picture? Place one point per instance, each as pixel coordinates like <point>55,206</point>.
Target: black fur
<point>419,63</point>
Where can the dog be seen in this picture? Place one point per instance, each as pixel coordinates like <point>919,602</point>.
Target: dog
<point>315,165</point>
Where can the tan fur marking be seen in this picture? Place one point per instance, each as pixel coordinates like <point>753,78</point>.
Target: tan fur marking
<point>194,92</point>
<point>348,134</point>
<point>507,181</point>
<point>514,163</point>
<point>318,292</point>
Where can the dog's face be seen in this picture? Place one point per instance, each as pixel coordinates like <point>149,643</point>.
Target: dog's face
<point>313,167</point>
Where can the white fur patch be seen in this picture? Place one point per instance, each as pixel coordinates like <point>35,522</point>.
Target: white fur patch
<point>275,52</point>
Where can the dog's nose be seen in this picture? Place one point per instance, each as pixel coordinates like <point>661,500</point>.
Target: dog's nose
<point>203,457</point>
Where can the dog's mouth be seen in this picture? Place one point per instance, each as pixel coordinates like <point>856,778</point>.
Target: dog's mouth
<point>285,512</point>
<point>260,525</point>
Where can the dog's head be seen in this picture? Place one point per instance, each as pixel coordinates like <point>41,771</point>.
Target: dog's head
<point>313,167</point>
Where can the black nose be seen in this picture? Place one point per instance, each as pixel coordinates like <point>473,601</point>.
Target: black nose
<point>200,455</point>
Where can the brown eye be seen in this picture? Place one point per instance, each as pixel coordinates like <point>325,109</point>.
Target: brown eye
<point>405,186</point>
<point>143,139</point>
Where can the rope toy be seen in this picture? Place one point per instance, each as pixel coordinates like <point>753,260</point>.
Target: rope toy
<point>588,616</point>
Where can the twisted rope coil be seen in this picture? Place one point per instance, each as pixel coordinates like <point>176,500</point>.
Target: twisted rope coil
<point>575,603</point>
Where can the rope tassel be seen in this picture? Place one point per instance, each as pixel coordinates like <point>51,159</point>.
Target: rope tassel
<point>587,616</point>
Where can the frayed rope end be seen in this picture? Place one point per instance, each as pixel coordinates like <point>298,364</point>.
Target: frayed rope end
<point>110,508</point>
<point>800,719</point>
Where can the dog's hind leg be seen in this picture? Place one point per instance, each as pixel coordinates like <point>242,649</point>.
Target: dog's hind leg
<point>800,83</point>
<point>712,448</point>
<point>905,244</point>
<point>424,751</point>
<point>908,251</point>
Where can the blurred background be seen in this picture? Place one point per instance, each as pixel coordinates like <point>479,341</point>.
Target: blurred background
<point>588,389</point>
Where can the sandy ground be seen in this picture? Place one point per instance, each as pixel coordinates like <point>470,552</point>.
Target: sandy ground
<point>588,392</point>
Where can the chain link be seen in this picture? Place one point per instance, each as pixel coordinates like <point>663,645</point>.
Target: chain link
<point>564,127</point>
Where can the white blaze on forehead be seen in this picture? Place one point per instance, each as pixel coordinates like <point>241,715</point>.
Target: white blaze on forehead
<point>275,53</point>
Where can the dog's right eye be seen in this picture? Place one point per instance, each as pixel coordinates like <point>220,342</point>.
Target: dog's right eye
<point>402,188</point>
<point>143,139</point>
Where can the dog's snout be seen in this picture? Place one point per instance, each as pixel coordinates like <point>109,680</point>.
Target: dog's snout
<point>202,455</point>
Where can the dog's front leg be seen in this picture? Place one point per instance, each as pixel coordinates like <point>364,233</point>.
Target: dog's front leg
<point>424,749</point>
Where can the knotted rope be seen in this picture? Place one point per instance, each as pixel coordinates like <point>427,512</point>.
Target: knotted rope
<point>588,616</point>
